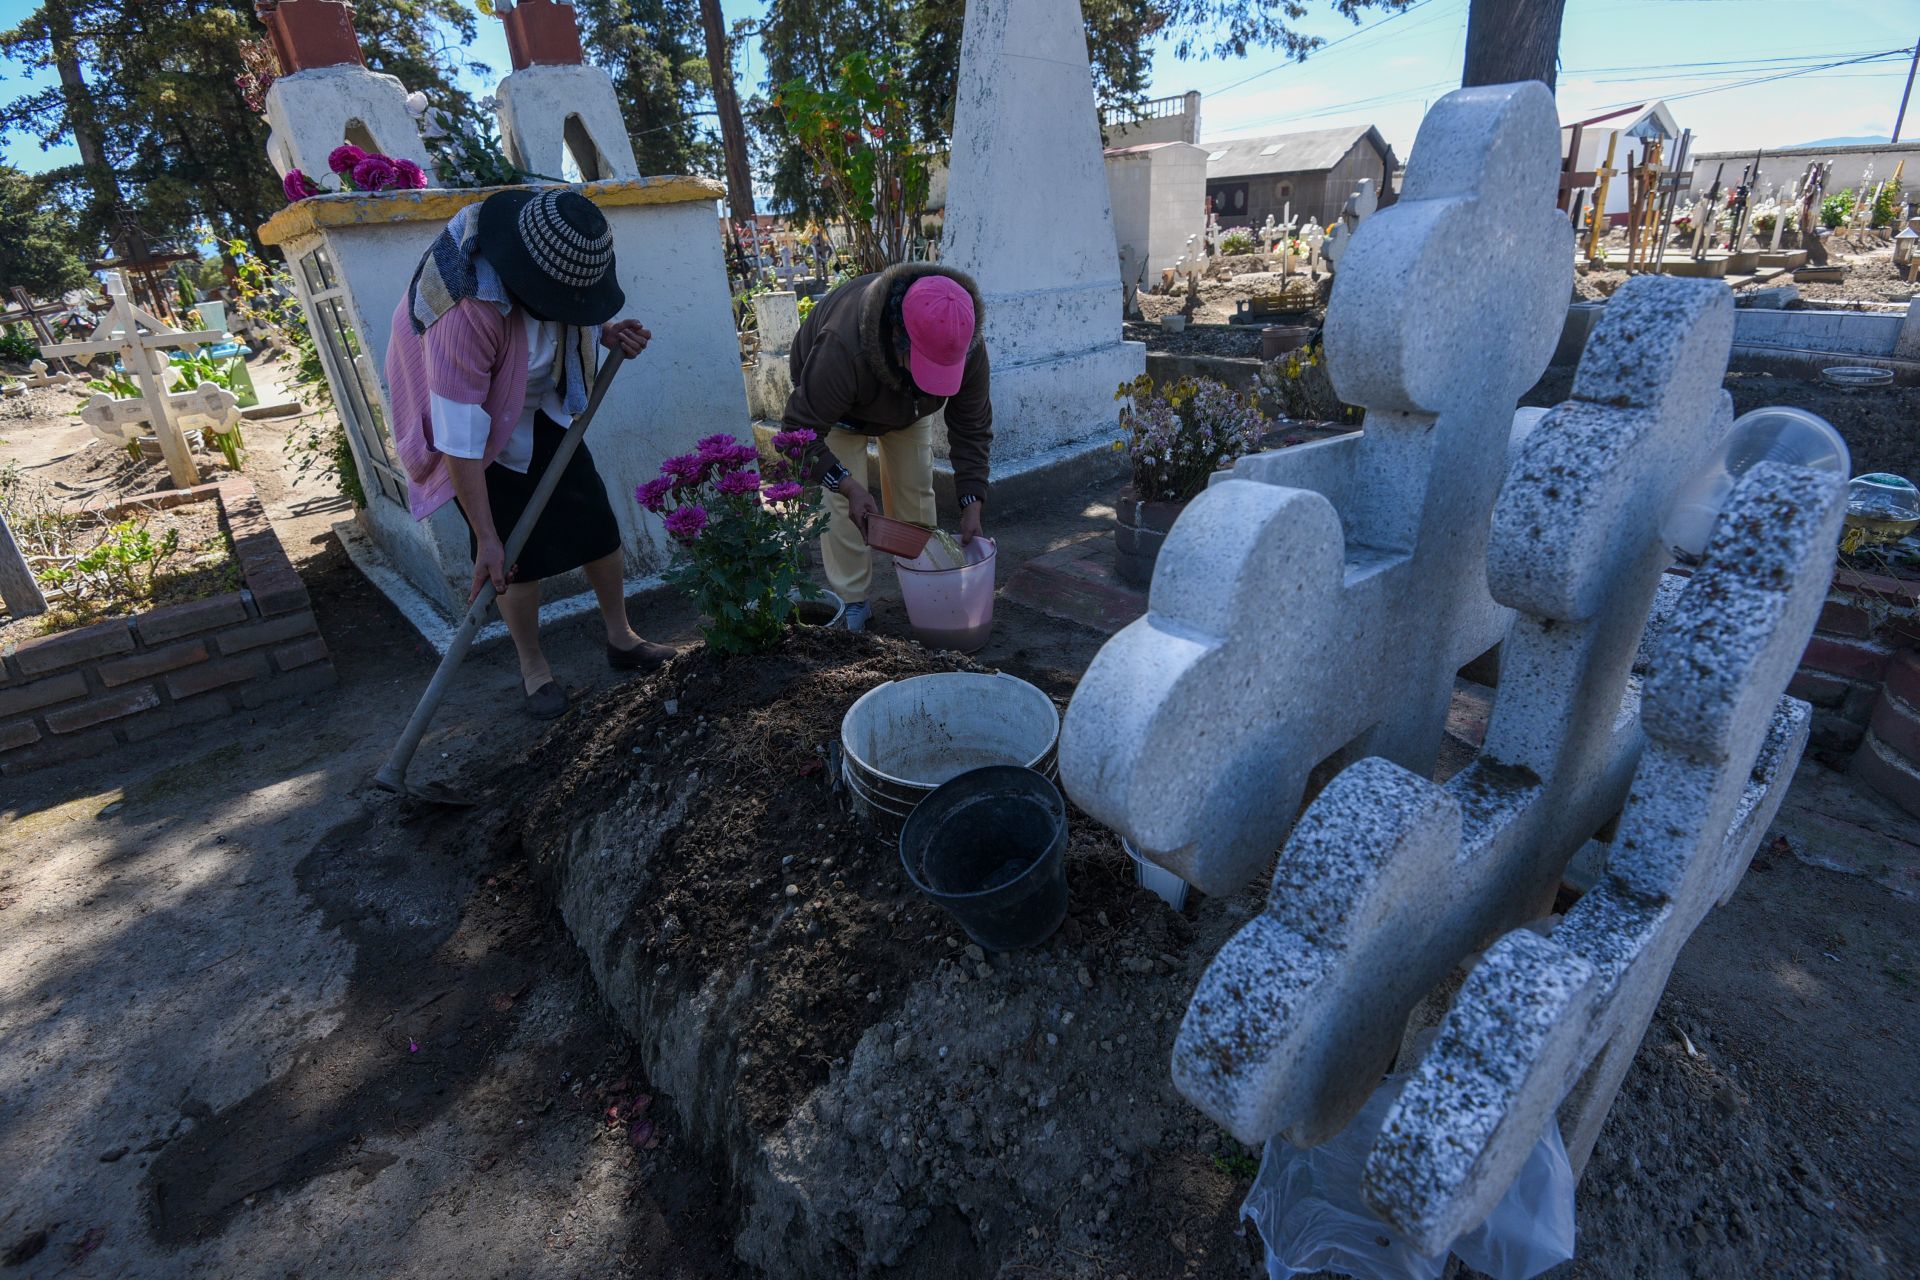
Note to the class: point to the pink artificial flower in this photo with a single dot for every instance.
(653, 494)
(298, 186)
(784, 492)
(739, 484)
(412, 176)
(342, 158)
(685, 523)
(375, 173)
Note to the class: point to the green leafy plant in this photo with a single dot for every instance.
(1235, 243)
(201, 367)
(17, 344)
(744, 534)
(1836, 209)
(112, 382)
(1886, 207)
(121, 565)
(858, 134)
(1179, 434)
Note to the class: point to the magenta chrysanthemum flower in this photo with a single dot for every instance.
(735, 483)
(653, 494)
(686, 469)
(375, 173)
(793, 443)
(784, 492)
(342, 158)
(412, 176)
(715, 446)
(685, 523)
(298, 186)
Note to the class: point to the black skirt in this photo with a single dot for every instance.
(577, 525)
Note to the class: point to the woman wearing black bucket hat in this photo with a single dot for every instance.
(492, 355)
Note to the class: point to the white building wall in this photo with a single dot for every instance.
(1159, 198)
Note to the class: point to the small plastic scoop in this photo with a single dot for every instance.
(896, 537)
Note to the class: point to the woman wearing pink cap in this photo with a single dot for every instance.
(876, 359)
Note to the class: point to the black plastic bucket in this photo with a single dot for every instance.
(991, 847)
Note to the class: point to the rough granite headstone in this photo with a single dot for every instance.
(1391, 881)
(1320, 598)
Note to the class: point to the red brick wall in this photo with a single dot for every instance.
(126, 680)
(1861, 672)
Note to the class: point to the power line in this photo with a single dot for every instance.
(1352, 35)
(1783, 75)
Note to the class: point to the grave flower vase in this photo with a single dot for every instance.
(1140, 527)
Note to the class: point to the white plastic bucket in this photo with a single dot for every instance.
(1171, 889)
(950, 608)
(903, 739)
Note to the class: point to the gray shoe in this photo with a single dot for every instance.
(858, 614)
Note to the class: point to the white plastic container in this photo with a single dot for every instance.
(949, 607)
(1171, 889)
(1772, 434)
(903, 739)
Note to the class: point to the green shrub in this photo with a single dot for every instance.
(1836, 209)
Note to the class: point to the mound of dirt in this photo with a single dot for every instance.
(766, 854)
(872, 1081)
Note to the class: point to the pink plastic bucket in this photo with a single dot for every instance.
(949, 608)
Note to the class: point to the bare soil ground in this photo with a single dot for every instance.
(257, 1021)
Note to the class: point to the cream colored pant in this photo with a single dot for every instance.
(906, 493)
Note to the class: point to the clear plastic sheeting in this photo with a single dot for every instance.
(1307, 1205)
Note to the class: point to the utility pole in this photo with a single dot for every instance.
(726, 102)
(1901, 118)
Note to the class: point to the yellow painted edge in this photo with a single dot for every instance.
(437, 204)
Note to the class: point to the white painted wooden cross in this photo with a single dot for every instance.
(37, 376)
(141, 340)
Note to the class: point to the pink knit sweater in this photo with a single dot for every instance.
(471, 355)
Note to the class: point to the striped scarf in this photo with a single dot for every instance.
(453, 269)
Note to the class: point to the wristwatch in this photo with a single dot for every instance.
(833, 476)
(968, 500)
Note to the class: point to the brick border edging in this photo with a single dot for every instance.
(1861, 672)
(81, 693)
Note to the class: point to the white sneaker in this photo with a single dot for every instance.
(857, 615)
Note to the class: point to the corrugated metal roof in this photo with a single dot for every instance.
(1287, 152)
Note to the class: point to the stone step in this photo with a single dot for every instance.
(1078, 583)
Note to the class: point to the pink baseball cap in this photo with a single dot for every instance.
(938, 313)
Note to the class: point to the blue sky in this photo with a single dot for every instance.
(1386, 70)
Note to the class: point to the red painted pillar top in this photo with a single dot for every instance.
(543, 33)
(310, 33)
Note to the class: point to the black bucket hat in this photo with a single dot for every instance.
(554, 253)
